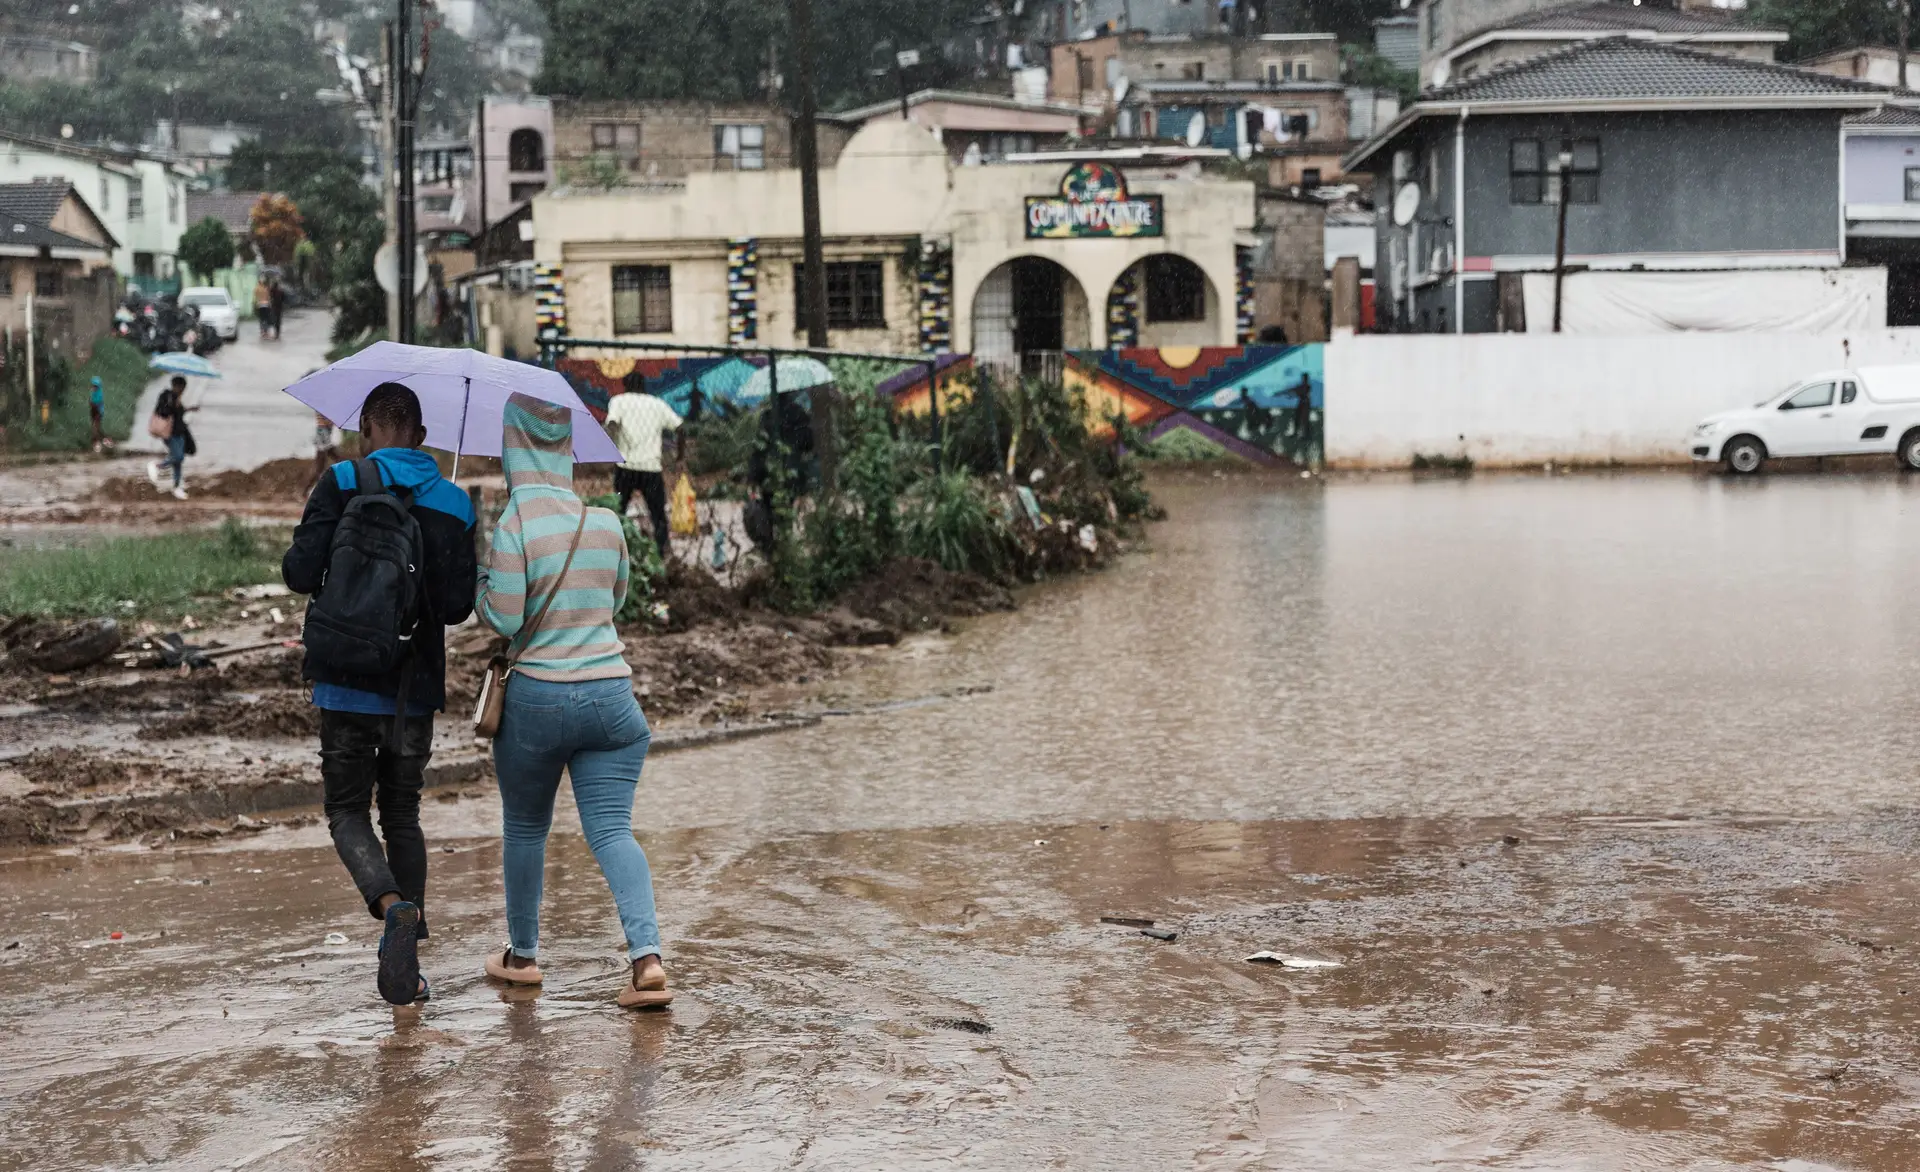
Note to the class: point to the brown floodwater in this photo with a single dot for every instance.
(1596, 788)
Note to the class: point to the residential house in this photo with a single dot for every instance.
(25, 58)
(56, 266)
(1879, 64)
(202, 147)
(1057, 21)
(1883, 203)
(1397, 38)
(443, 201)
(1096, 73)
(1462, 39)
(1013, 263)
(597, 143)
(976, 128)
(140, 198)
(513, 141)
(1672, 158)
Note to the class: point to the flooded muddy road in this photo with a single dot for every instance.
(1597, 790)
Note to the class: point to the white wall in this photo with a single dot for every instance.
(1521, 399)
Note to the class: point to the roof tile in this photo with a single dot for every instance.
(1626, 69)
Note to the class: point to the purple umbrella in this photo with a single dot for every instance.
(462, 393)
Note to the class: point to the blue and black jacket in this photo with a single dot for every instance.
(446, 529)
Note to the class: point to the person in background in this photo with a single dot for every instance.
(1303, 417)
(637, 421)
(556, 572)
(172, 407)
(263, 305)
(360, 761)
(277, 298)
(97, 415)
(326, 447)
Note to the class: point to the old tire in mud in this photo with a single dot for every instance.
(1908, 453)
(1744, 455)
(80, 645)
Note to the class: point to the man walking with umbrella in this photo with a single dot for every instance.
(382, 575)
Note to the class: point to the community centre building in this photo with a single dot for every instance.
(1022, 259)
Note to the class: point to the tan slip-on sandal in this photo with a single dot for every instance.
(499, 970)
(647, 987)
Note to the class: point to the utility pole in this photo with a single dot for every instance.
(1560, 238)
(812, 251)
(1906, 36)
(901, 59)
(403, 166)
(390, 185)
(480, 165)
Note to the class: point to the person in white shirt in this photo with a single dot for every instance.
(637, 421)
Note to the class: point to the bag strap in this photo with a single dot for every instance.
(532, 627)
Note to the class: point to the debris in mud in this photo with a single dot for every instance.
(913, 594)
(1160, 934)
(336, 939)
(1510, 839)
(967, 1024)
(1289, 961)
(76, 646)
(1127, 921)
(286, 480)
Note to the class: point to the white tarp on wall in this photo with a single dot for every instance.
(1518, 399)
(1790, 301)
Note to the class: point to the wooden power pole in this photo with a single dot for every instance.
(812, 251)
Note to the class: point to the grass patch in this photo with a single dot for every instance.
(123, 374)
(157, 574)
(1423, 462)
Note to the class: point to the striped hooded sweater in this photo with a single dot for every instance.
(576, 640)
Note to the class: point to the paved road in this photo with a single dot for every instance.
(244, 420)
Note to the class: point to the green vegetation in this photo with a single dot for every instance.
(205, 247)
(158, 575)
(1426, 463)
(645, 571)
(63, 389)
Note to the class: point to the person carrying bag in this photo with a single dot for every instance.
(564, 695)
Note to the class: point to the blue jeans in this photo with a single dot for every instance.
(176, 455)
(595, 731)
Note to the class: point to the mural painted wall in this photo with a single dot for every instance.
(1198, 402)
(1193, 402)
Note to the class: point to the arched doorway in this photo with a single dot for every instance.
(1163, 300)
(526, 151)
(1026, 313)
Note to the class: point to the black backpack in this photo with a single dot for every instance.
(362, 619)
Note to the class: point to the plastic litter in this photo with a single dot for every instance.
(1159, 933)
(719, 559)
(1289, 961)
(1089, 539)
(276, 616)
(116, 935)
(336, 939)
(255, 593)
(1127, 921)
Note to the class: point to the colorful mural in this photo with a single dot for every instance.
(549, 301)
(720, 381)
(743, 283)
(935, 280)
(1194, 402)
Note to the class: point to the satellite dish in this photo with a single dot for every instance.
(1405, 204)
(386, 269)
(1196, 129)
(1442, 70)
(1120, 89)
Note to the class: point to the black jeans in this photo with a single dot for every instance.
(653, 490)
(358, 768)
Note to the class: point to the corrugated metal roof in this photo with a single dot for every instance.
(1601, 16)
(1624, 69)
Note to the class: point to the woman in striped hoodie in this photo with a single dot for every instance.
(569, 702)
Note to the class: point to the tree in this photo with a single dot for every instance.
(276, 227)
(1815, 26)
(206, 246)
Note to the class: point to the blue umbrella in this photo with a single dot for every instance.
(189, 364)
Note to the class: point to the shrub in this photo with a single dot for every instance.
(645, 571)
(950, 520)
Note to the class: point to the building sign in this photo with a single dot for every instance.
(1093, 203)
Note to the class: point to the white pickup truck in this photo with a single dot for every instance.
(1875, 409)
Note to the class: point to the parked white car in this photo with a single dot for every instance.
(217, 310)
(1875, 409)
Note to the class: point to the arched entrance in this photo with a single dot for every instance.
(1163, 300)
(1026, 312)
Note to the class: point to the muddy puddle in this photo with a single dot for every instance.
(1594, 789)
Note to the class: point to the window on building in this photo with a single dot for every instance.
(136, 201)
(1310, 177)
(436, 205)
(1194, 71)
(143, 264)
(856, 295)
(1913, 184)
(106, 195)
(522, 192)
(1086, 73)
(173, 203)
(619, 138)
(1176, 289)
(526, 151)
(642, 299)
(1433, 24)
(1533, 171)
(46, 283)
(745, 147)
(6, 280)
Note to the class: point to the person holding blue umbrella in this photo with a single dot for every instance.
(169, 425)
